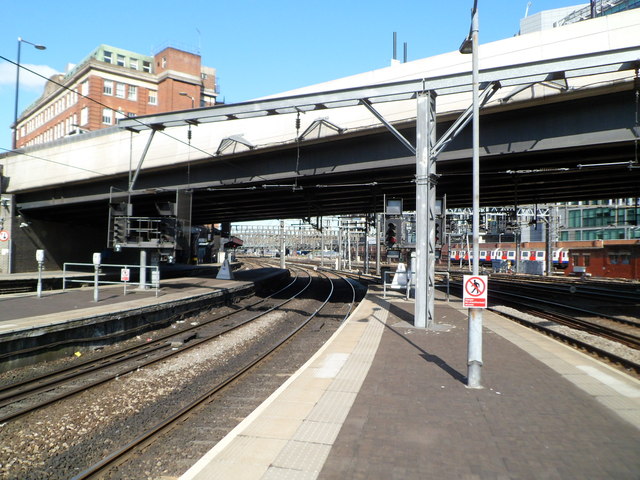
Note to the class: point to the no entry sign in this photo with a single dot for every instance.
(474, 293)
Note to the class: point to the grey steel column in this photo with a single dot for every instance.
(474, 357)
(378, 244)
(282, 246)
(322, 243)
(349, 245)
(425, 209)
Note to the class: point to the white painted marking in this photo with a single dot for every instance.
(332, 365)
(8, 325)
(622, 388)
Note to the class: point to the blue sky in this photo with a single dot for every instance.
(258, 47)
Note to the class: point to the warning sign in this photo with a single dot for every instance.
(125, 274)
(474, 294)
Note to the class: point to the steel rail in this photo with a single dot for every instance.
(119, 456)
(169, 353)
(88, 365)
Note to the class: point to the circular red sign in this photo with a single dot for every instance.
(475, 286)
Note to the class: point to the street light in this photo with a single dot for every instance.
(193, 100)
(15, 111)
(474, 356)
(193, 103)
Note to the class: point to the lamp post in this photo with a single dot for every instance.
(193, 100)
(193, 105)
(474, 355)
(15, 111)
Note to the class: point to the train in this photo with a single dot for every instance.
(598, 258)
(560, 256)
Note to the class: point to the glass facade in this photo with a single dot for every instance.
(601, 220)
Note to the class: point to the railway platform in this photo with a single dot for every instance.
(384, 400)
(28, 322)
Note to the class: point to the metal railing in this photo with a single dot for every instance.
(110, 271)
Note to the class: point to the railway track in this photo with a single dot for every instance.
(151, 435)
(566, 309)
(25, 396)
(111, 422)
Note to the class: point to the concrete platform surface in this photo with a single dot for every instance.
(383, 400)
(24, 311)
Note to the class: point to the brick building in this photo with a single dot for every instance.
(117, 83)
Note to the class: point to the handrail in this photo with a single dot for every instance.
(155, 275)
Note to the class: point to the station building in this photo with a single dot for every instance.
(112, 83)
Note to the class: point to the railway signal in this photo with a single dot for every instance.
(393, 234)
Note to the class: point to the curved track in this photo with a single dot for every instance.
(22, 397)
(122, 454)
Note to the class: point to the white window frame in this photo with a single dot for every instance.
(107, 116)
(84, 116)
(107, 88)
(120, 90)
(120, 60)
(133, 93)
(153, 97)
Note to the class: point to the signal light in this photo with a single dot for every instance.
(393, 234)
(118, 231)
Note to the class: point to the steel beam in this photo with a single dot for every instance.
(391, 128)
(509, 75)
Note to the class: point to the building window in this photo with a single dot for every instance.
(146, 66)
(107, 56)
(164, 62)
(108, 87)
(153, 97)
(133, 92)
(120, 90)
(120, 60)
(587, 260)
(84, 116)
(133, 63)
(107, 116)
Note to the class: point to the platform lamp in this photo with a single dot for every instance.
(474, 356)
(15, 111)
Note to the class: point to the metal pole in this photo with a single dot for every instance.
(282, 245)
(378, 244)
(366, 245)
(425, 210)
(143, 270)
(340, 249)
(96, 294)
(39, 287)
(322, 243)
(15, 110)
(349, 245)
(474, 357)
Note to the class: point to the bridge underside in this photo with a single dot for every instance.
(575, 149)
